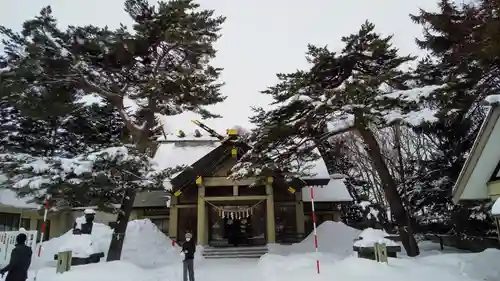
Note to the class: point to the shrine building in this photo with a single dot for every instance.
(219, 211)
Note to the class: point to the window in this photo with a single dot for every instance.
(39, 229)
(25, 223)
(9, 222)
(162, 224)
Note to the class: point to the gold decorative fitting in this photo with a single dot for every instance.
(234, 152)
(291, 190)
(199, 180)
(270, 180)
(177, 193)
(232, 132)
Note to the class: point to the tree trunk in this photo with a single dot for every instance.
(116, 245)
(390, 188)
(144, 145)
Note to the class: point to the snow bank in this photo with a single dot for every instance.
(81, 246)
(303, 267)
(370, 236)
(333, 237)
(145, 245)
(478, 266)
(109, 271)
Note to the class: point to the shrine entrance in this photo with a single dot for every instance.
(234, 225)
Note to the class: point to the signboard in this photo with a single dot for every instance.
(8, 242)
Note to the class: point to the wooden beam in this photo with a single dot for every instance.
(223, 181)
(235, 198)
(181, 206)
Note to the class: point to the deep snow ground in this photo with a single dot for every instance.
(150, 257)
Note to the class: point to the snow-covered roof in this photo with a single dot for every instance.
(495, 209)
(314, 170)
(482, 160)
(9, 198)
(171, 155)
(155, 198)
(334, 191)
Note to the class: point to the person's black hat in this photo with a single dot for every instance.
(21, 238)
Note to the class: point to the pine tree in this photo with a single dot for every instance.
(163, 65)
(360, 89)
(462, 39)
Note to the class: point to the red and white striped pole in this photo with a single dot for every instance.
(311, 193)
(42, 230)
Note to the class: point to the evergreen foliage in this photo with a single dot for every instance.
(161, 65)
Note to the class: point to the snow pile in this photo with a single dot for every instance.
(145, 245)
(303, 267)
(81, 246)
(493, 99)
(370, 236)
(333, 237)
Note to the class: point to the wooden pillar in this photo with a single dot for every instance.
(207, 225)
(173, 219)
(235, 190)
(270, 219)
(202, 211)
(299, 214)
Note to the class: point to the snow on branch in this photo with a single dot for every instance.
(121, 165)
(409, 106)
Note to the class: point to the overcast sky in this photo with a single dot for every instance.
(260, 37)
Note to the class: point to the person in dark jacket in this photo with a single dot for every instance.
(20, 261)
(188, 250)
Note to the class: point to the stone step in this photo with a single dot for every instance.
(234, 252)
(233, 257)
(255, 254)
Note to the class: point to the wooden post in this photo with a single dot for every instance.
(201, 212)
(380, 252)
(63, 261)
(174, 218)
(299, 214)
(270, 219)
